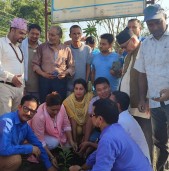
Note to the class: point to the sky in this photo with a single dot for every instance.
(163, 3)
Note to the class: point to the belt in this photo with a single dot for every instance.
(11, 84)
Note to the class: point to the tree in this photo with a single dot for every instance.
(112, 26)
(5, 16)
(31, 10)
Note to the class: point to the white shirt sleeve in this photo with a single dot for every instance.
(4, 75)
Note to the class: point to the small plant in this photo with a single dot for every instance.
(90, 30)
(65, 155)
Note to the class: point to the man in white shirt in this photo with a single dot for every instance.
(127, 121)
(129, 83)
(153, 66)
(12, 66)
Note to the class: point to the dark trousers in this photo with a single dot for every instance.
(145, 125)
(47, 86)
(160, 122)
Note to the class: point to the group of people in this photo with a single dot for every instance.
(68, 115)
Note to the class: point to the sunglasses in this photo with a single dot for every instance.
(26, 110)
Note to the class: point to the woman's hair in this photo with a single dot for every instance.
(81, 81)
(53, 99)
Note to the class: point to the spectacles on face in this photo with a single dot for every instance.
(26, 110)
(92, 115)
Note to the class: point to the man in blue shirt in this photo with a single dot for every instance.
(102, 62)
(117, 151)
(14, 130)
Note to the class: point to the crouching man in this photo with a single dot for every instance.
(116, 150)
(14, 130)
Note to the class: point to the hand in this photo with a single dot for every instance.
(147, 107)
(54, 162)
(74, 168)
(63, 75)
(83, 147)
(164, 96)
(16, 80)
(74, 145)
(52, 169)
(117, 74)
(48, 75)
(36, 151)
(142, 106)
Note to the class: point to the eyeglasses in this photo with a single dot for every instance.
(92, 115)
(26, 110)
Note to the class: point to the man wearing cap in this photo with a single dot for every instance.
(12, 66)
(153, 66)
(129, 83)
(135, 25)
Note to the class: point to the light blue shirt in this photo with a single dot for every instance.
(13, 133)
(95, 51)
(102, 65)
(82, 57)
(117, 152)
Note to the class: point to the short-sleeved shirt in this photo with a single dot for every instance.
(102, 65)
(153, 59)
(82, 56)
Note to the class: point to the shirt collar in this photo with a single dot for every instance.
(59, 46)
(104, 130)
(9, 41)
(76, 47)
(17, 119)
(125, 111)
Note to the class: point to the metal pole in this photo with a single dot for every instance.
(46, 18)
(150, 1)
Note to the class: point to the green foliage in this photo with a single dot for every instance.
(66, 155)
(90, 30)
(5, 16)
(31, 10)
